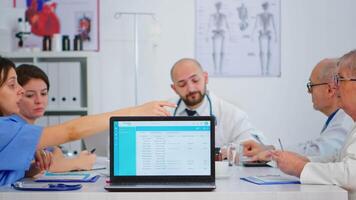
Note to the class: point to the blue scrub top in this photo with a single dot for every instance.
(18, 142)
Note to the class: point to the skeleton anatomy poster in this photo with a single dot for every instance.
(238, 37)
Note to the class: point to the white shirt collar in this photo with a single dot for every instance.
(202, 110)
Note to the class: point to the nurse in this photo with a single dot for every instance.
(33, 105)
(19, 140)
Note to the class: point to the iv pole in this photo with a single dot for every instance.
(117, 15)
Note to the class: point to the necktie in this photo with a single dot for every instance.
(190, 112)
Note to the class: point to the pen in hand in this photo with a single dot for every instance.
(258, 139)
(263, 145)
(92, 151)
(280, 144)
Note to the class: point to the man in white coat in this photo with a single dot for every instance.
(190, 84)
(323, 91)
(339, 169)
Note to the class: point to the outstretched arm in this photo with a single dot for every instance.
(89, 125)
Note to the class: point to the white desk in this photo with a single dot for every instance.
(226, 188)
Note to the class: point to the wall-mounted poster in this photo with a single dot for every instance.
(238, 37)
(64, 17)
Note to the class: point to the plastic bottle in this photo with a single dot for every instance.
(78, 43)
(65, 43)
(47, 43)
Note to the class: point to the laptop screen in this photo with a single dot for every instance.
(161, 146)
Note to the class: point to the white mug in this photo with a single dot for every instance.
(221, 169)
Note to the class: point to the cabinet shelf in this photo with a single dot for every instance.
(49, 54)
(68, 93)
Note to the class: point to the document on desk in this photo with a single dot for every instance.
(271, 179)
(67, 177)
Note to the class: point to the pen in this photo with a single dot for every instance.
(280, 144)
(93, 150)
(258, 139)
(84, 145)
(265, 147)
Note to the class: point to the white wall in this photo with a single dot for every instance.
(281, 107)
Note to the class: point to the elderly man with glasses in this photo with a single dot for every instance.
(339, 169)
(322, 88)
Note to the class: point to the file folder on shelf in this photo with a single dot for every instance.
(69, 87)
(53, 94)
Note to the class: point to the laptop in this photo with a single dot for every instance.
(161, 154)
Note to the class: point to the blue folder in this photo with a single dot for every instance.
(47, 187)
(68, 177)
(270, 180)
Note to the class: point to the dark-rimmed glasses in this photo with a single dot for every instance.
(338, 79)
(310, 85)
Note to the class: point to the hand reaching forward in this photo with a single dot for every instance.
(154, 108)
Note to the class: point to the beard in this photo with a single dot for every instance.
(193, 98)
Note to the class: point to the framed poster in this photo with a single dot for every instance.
(238, 37)
(64, 17)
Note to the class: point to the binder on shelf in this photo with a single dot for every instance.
(44, 67)
(53, 95)
(53, 120)
(74, 79)
(64, 84)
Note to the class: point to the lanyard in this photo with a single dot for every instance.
(328, 120)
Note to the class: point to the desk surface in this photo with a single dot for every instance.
(226, 188)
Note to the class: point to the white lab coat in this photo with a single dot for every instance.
(330, 140)
(232, 125)
(338, 170)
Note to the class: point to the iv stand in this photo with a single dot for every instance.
(117, 15)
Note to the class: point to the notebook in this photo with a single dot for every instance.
(161, 154)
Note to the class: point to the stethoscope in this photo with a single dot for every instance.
(210, 108)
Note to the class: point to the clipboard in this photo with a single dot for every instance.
(271, 180)
(45, 187)
(68, 177)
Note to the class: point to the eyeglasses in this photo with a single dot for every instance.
(310, 85)
(338, 79)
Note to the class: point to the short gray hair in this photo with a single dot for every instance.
(349, 60)
(329, 70)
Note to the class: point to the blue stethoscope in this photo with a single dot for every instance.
(210, 108)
